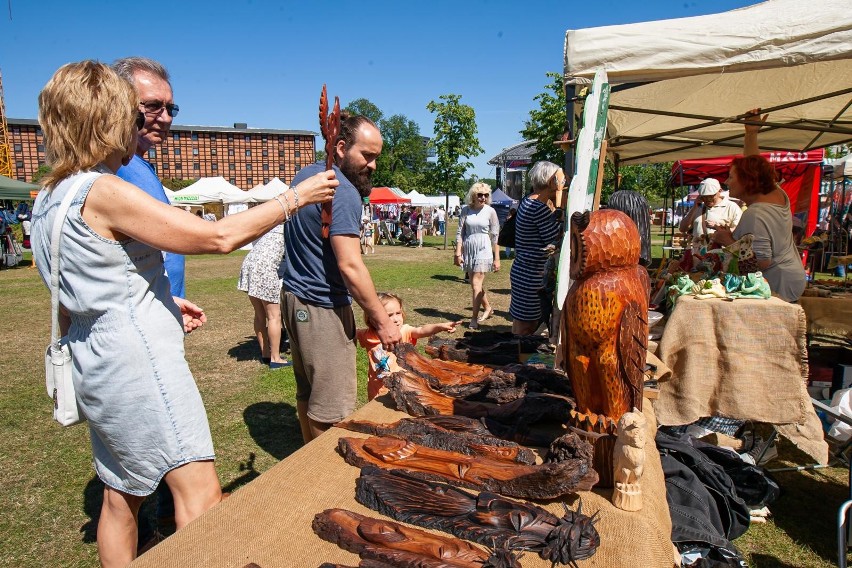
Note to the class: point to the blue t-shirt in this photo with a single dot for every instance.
(141, 174)
(309, 269)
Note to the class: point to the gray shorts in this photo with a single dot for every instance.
(322, 346)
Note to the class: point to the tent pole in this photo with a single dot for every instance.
(616, 164)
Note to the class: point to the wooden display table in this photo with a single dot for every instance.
(268, 521)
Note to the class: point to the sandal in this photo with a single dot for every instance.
(276, 365)
(474, 324)
(487, 314)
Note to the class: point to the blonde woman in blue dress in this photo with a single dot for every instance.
(477, 251)
(146, 419)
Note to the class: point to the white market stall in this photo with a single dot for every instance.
(210, 190)
(681, 87)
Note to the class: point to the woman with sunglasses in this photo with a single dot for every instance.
(477, 251)
(146, 420)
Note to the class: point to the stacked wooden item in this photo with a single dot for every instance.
(483, 441)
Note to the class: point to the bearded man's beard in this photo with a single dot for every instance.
(361, 179)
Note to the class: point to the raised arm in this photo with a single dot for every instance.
(117, 210)
(750, 145)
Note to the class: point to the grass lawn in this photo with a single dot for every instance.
(51, 498)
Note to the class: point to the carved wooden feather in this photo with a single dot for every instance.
(330, 129)
(547, 481)
(485, 518)
(426, 433)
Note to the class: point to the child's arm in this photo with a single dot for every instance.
(431, 329)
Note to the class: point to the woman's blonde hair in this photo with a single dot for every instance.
(384, 298)
(86, 112)
(478, 187)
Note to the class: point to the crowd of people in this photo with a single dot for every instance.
(123, 294)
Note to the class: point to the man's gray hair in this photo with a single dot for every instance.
(541, 174)
(127, 66)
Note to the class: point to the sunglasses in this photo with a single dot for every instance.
(140, 120)
(483, 194)
(154, 108)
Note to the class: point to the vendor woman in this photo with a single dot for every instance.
(754, 180)
(712, 209)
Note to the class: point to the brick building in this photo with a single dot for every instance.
(244, 156)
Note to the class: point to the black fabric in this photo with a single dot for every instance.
(702, 498)
(506, 238)
(754, 484)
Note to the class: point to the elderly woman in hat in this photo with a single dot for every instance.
(712, 210)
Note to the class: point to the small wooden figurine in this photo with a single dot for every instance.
(629, 461)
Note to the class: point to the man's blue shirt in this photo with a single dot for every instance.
(141, 174)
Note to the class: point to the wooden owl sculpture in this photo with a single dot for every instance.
(605, 319)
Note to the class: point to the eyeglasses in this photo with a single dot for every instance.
(483, 195)
(153, 108)
(140, 120)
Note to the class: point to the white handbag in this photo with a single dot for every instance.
(57, 357)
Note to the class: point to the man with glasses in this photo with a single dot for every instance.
(711, 210)
(151, 81)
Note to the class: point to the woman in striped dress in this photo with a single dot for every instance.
(535, 228)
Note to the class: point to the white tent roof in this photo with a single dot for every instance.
(208, 190)
(435, 201)
(682, 86)
(261, 193)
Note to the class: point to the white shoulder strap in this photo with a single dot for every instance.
(55, 236)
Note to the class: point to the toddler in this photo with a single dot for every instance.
(380, 360)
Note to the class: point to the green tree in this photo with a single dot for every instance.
(176, 184)
(365, 108)
(42, 171)
(546, 124)
(403, 156)
(455, 142)
(651, 180)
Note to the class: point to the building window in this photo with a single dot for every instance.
(195, 136)
(248, 152)
(263, 138)
(265, 166)
(214, 166)
(297, 154)
(178, 166)
(195, 151)
(248, 138)
(195, 166)
(248, 166)
(166, 166)
(38, 131)
(212, 151)
(212, 137)
(282, 167)
(230, 151)
(232, 166)
(280, 153)
(250, 181)
(233, 181)
(297, 168)
(230, 137)
(265, 153)
(177, 151)
(21, 178)
(265, 181)
(296, 139)
(19, 164)
(18, 148)
(281, 138)
(16, 130)
(176, 136)
(154, 167)
(40, 147)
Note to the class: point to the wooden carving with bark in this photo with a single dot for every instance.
(485, 518)
(486, 347)
(605, 319)
(330, 129)
(493, 473)
(426, 433)
(398, 545)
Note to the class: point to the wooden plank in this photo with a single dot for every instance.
(596, 204)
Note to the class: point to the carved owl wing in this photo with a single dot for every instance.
(632, 351)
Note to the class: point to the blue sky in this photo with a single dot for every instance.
(264, 62)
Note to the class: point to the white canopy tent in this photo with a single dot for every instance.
(681, 87)
(210, 190)
(261, 193)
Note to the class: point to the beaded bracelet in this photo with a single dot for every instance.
(286, 212)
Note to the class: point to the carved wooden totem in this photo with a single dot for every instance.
(330, 128)
(605, 319)
(629, 462)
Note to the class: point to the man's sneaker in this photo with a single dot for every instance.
(754, 457)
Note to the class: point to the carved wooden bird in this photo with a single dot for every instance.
(605, 318)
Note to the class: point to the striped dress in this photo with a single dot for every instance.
(535, 228)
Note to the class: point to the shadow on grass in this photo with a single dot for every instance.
(274, 426)
(501, 291)
(93, 497)
(447, 277)
(806, 520)
(766, 561)
(246, 350)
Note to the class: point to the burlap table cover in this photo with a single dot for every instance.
(268, 521)
(829, 316)
(745, 359)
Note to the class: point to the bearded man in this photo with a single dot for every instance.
(322, 276)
